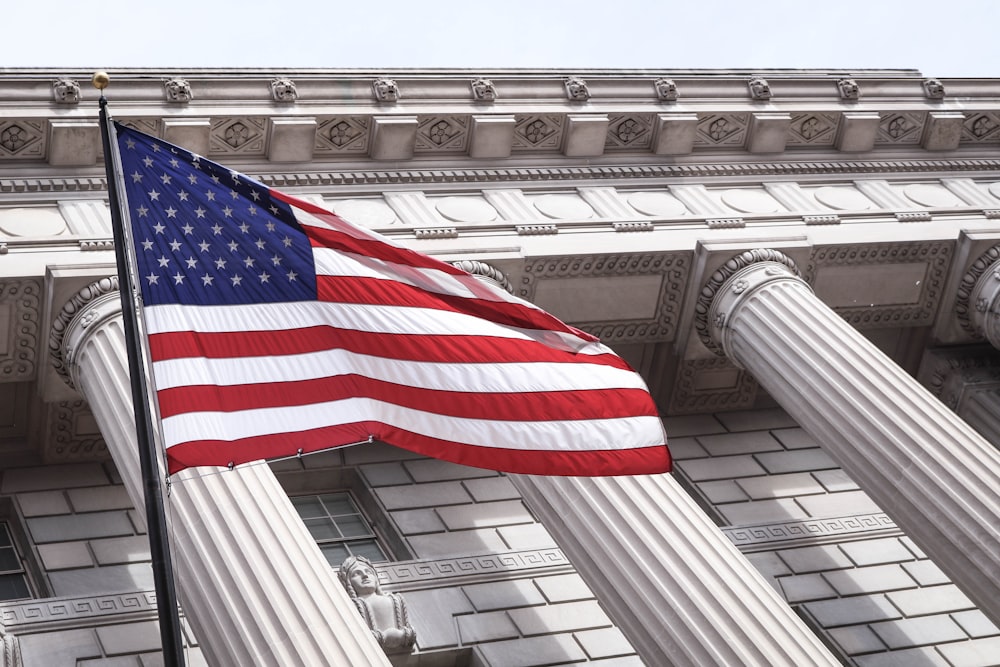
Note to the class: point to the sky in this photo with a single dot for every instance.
(957, 38)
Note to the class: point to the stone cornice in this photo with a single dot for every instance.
(335, 117)
(381, 177)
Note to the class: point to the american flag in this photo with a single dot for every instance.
(275, 327)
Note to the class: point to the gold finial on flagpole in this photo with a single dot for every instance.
(100, 80)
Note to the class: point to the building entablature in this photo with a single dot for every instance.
(464, 118)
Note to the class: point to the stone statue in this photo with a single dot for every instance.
(385, 613)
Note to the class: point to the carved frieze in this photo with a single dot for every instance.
(22, 139)
(809, 531)
(671, 269)
(19, 317)
(238, 136)
(981, 127)
(442, 134)
(487, 567)
(901, 128)
(927, 263)
(722, 130)
(342, 135)
(629, 132)
(813, 129)
(72, 434)
(538, 131)
(59, 613)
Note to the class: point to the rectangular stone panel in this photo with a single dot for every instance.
(845, 286)
(600, 299)
(69, 527)
(565, 617)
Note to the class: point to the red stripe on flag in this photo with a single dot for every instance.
(540, 406)
(637, 461)
(363, 290)
(456, 349)
(360, 243)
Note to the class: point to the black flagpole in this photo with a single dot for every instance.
(163, 580)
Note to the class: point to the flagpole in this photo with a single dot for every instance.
(163, 580)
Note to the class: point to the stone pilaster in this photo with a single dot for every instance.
(250, 578)
(928, 469)
(668, 577)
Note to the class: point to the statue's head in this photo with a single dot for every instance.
(359, 577)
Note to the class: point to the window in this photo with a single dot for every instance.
(13, 579)
(339, 528)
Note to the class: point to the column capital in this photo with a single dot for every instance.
(93, 304)
(737, 278)
(977, 303)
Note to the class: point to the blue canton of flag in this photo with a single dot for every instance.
(206, 235)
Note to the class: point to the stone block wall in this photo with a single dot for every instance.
(95, 606)
(839, 560)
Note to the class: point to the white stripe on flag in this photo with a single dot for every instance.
(576, 435)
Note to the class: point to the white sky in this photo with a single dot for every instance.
(940, 38)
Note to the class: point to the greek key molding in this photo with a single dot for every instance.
(808, 530)
(936, 255)
(410, 574)
(17, 363)
(673, 267)
(66, 613)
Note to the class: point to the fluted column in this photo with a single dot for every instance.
(981, 410)
(251, 580)
(928, 469)
(671, 581)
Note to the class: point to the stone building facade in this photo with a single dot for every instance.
(804, 265)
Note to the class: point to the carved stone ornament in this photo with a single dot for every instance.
(485, 272)
(760, 89)
(849, 89)
(666, 90)
(576, 89)
(10, 650)
(385, 90)
(934, 89)
(178, 90)
(101, 291)
(283, 90)
(483, 90)
(713, 287)
(66, 91)
(384, 613)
